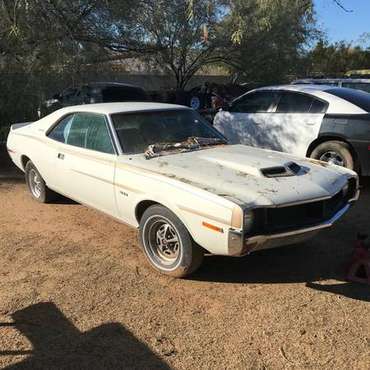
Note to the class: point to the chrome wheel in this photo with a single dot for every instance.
(163, 241)
(333, 158)
(35, 183)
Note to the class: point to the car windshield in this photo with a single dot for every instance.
(159, 132)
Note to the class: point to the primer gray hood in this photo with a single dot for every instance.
(234, 172)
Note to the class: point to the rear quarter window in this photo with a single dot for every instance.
(357, 85)
(356, 97)
(293, 102)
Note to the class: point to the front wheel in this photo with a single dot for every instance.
(335, 152)
(167, 243)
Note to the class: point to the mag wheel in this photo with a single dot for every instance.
(335, 152)
(36, 184)
(167, 244)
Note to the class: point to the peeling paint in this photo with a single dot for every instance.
(234, 172)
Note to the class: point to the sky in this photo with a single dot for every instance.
(340, 25)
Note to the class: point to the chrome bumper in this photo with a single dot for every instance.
(240, 245)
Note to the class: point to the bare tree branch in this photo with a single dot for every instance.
(342, 6)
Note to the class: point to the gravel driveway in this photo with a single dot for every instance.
(76, 292)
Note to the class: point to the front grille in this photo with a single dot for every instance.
(275, 220)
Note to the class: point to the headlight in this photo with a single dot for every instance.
(248, 220)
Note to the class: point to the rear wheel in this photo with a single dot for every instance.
(167, 243)
(36, 184)
(334, 152)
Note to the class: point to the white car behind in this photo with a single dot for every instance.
(322, 122)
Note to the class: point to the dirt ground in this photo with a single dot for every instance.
(77, 292)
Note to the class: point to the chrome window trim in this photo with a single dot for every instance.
(114, 135)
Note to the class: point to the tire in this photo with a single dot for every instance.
(36, 184)
(335, 152)
(177, 258)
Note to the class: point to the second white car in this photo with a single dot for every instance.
(322, 122)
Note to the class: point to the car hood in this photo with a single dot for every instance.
(236, 172)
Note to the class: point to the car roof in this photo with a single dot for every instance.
(308, 88)
(112, 84)
(330, 80)
(112, 108)
(337, 105)
(106, 108)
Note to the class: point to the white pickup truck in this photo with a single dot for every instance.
(163, 169)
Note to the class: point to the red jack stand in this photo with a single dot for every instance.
(359, 269)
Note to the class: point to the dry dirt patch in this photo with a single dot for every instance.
(76, 292)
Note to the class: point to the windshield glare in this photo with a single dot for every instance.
(136, 131)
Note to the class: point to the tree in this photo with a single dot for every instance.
(181, 36)
(268, 37)
(335, 59)
(41, 33)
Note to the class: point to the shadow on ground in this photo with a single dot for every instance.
(58, 344)
(349, 290)
(325, 257)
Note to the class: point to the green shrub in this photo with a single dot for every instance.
(4, 131)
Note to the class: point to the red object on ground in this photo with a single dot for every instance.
(360, 260)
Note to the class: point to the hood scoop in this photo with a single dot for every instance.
(243, 167)
(289, 169)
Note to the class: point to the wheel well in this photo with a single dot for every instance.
(142, 207)
(325, 139)
(24, 161)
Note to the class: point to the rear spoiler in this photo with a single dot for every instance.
(19, 125)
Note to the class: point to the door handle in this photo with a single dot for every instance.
(60, 156)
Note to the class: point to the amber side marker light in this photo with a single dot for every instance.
(212, 227)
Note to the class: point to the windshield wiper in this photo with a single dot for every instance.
(206, 141)
(191, 143)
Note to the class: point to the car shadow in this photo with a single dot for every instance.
(351, 290)
(324, 257)
(58, 344)
(62, 200)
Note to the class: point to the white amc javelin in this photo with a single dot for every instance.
(163, 169)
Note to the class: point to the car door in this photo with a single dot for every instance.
(86, 161)
(245, 121)
(295, 124)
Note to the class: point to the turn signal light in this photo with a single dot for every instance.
(213, 227)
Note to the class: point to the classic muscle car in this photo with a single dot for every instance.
(163, 169)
